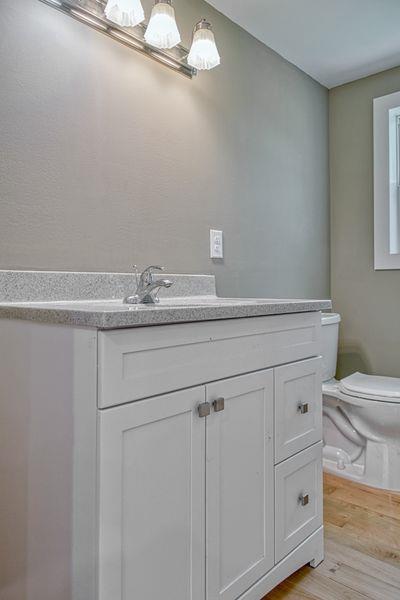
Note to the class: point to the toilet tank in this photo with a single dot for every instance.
(330, 335)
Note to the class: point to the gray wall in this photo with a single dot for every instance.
(368, 300)
(108, 159)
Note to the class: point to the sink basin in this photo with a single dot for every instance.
(209, 301)
(201, 301)
(193, 301)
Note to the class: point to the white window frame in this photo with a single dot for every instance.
(387, 181)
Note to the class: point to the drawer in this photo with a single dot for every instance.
(298, 407)
(146, 361)
(298, 499)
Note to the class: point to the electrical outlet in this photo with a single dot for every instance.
(216, 244)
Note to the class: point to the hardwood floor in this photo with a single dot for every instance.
(362, 548)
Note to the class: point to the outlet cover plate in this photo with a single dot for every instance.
(216, 244)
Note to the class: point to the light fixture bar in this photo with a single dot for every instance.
(91, 12)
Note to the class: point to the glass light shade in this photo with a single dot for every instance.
(162, 31)
(203, 54)
(126, 13)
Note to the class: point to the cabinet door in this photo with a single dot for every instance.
(151, 489)
(298, 509)
(298, 407)
(240, 484)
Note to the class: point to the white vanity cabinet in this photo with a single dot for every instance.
(204, 491)
(180, 461)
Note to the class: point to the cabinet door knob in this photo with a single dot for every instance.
(303, 408)
(219, 404)
(204, 409)
(304, 499)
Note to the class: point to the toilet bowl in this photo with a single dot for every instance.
(361, 420)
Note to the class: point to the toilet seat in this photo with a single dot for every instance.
(371, 387)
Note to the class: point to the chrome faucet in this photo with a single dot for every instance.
(147, 287)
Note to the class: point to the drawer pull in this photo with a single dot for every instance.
(304, 499)
(219, 404)
(204, 409)
(303, 408)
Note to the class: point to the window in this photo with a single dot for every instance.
(387, 181)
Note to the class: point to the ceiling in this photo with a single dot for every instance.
(334, 41)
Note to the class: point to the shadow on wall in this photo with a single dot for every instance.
(351, 358)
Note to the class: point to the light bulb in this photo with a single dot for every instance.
(126, 13)
(203, 54)
(162, 31)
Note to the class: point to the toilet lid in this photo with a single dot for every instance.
(385, 389)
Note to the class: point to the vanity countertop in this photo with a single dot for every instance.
(112, 314)
(76, 299)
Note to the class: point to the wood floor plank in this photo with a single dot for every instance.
(371, 547)
(341, 482)
(386, 506)
(315, 585)
(360, 521)
(362, 548)
(363, 563)
(289, 591)
(362, 582)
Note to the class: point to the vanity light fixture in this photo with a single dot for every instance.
(83, 16)
(126, 39)
(203, 54)
(165, 60)
(126, 13)
(123, 20)
(162, 30)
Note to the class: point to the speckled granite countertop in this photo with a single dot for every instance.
(82, 299)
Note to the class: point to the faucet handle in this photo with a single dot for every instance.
(153, 268)
(147, 273)
(135, 270)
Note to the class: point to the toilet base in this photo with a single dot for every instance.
(361, 439)
(371, 477)
(336, 460)
(353, 472)
(378, 465)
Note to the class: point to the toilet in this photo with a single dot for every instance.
(361, 415)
